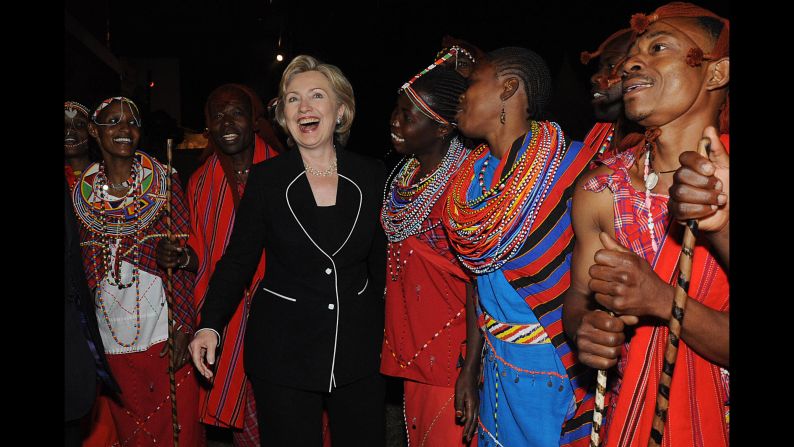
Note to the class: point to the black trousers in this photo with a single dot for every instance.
(73, 433)
(289, 416)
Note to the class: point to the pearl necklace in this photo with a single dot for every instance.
(331, 170)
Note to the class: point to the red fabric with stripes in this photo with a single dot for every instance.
(212, 213)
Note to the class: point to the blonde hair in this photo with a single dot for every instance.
(339, 83)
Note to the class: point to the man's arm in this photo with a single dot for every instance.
(597, 335)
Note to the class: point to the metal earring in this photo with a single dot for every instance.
(502, 115)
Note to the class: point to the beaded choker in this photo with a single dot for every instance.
(488, 226)
(406, 203)
(96, 208)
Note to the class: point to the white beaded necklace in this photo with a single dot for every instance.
(406, 206)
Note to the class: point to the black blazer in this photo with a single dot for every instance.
(80, 376)
(317, 317)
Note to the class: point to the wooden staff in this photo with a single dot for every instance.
(679, 306)
(598, 411)
(169, 299)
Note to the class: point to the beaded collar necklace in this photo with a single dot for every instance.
(488, 229)
(407, 203)
(119, 222)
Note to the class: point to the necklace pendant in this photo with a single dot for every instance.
(651, 180)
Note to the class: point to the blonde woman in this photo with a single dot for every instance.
(316, 322)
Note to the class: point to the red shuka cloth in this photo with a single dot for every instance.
(429, 293)
(698, 412)
(212, 210)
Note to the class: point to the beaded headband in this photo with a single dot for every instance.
(75, 106)
(416, 99)
(133, 108)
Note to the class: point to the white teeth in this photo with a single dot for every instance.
(598, 95)
(397, 139)
(636, 86)
(123, 140)
(230, 136)
(305, 121)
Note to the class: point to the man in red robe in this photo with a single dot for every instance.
(675, 85)
(213, 194)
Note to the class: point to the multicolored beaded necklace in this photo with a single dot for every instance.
(406, 204)
(119, 221)
(488, 229)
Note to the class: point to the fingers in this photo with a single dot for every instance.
(685, 211)
(611, 244)
(459, 413)
(597, 362)
(696, 171)
(605, 273)
(199, 348)
(717, 153)
(169, 253)
(629, 320)
(472, 414)
(599, 339)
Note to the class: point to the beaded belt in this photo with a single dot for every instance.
(522, 334)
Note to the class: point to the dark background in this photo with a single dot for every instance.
(378, 44)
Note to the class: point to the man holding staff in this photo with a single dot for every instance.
(675, 85)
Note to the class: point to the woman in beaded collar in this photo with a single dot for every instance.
(507, 219)
(120, 202)
(425, 324)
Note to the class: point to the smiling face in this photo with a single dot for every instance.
(311, 110)
(230, 121)
(607, 99)
(412, 132)
(658, 84)
(117, 130)
(480, 105)
(75, 133)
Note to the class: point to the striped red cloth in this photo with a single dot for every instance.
(699, 407)
(212, 212)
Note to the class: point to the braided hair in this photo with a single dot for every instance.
(441, 89)
(533, 72)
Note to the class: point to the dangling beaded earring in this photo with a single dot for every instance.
(502, 115)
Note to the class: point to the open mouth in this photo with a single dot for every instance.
(397, 139)
(71, 143)
(309, 124)
(635, 87)
(122, 140)
(230, 137)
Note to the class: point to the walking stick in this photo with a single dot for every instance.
(169, 299)
(598, 411)
(679, 305)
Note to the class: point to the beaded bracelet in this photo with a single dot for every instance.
(187, 259)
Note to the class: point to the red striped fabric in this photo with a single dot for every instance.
(698, 412)
(212, 213)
